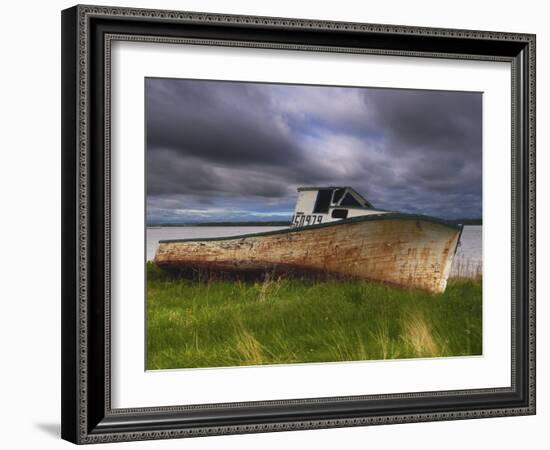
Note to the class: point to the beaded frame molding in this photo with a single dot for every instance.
(87, 35)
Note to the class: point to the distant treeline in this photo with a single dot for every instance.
(281, 223)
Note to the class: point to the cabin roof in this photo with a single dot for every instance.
(316, 188)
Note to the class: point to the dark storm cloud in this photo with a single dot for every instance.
(229, 123)
(432, 119)
(227, 150)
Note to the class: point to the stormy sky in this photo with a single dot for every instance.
(237, 151)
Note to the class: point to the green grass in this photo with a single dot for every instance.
(234, 323)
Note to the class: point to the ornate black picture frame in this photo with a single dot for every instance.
(87, 34)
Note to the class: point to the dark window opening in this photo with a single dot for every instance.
(349, 200)
(337, 195)
(323, 201)
(339, 214)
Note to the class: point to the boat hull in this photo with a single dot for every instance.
(412, 252)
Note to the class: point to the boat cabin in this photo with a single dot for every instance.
(317, 205)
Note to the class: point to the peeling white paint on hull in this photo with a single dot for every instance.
(409, 251)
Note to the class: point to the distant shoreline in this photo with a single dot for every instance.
(223, 224)
(466, 221)
(275, 223)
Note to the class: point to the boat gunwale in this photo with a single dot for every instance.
(351, 220)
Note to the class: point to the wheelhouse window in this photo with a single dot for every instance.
(322, 203)
(339, 214)
(337, 195)
(350, 200)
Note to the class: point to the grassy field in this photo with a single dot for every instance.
(233, 323)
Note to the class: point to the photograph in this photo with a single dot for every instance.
(296, 223)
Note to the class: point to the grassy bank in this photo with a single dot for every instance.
(232, 323)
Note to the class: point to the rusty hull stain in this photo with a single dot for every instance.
(408, 253)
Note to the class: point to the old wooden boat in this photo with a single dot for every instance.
(335, 232)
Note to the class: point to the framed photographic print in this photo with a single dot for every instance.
(279, 224)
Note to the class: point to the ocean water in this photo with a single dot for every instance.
(468, 258)
(467, 261)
